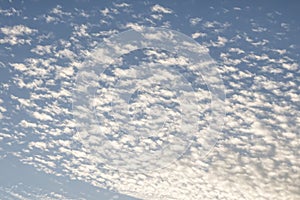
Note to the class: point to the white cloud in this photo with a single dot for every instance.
(237, 8)
(17, 30)
(50, 19)
(121, 5)
(42, 49)
(10, 12)
(42, 116)
(134, 26)
(198, 34)
(27, 124)
(195, 21)
(220, 43)
(157, 16)
(58, 11)
(15, 34)
(285, 26)
(22, 191)
(237, 50)
(39, 145)
(256, 158)
(161, 9)
(81, 30)
(19, 66)
(105, 12)
(291, 66)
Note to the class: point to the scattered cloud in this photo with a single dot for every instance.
(195, 21)
(17, 30)
(10, 12)
(256, 156)
(198, 34)
(14, 34)
(160, 9)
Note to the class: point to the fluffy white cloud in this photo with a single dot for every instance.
(17, 30)
(161, 9)
(198, 34)
(14, 34)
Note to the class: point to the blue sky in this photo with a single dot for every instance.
(45, 153)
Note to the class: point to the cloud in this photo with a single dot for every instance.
(256, 156)
(42, 116)
(237, 8)
(19, 66)
(42, 49)
(17, 30)
(195, 21)
(10, 12)
(121, 5)
(134, 26)
(161, 9)
(58, 11)
(23, 192)
(198, 34)
(220, 43)
(14, 34)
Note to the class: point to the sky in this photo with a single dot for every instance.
(149, 99)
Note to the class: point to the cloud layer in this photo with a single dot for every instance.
(257, 156)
